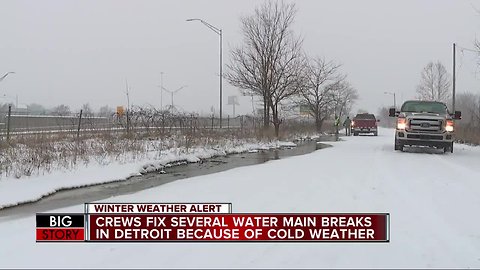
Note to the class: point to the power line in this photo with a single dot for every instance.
(467, 49)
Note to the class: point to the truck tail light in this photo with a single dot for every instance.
(449, 126)
(401, 123)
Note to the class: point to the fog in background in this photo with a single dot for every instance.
(76, 52)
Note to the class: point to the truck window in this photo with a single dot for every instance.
(365, 116)
(428, 107)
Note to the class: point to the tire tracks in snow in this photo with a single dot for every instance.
(417, 190)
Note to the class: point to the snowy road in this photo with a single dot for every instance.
(433, 199)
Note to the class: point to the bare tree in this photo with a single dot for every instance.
(269, 64)
(343, 97)
(316, 94)
(435, 83)
(106, 111)
(61, 110)
(289, 83)
(469, 104)
(87, 110)
(468, 130)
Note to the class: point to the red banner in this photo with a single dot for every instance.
(239, 227)
(60, 234)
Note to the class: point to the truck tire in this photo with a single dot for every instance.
(375, 133)
(448, 148)
(355, 133)
(398, 146)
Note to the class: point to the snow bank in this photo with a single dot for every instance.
(15, 191)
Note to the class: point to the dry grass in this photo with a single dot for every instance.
(28, 155)
(470, 135)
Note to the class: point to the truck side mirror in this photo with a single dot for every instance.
(457, 115)
(378, 120)
(392, 112)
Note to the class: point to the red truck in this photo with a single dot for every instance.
(364, 123)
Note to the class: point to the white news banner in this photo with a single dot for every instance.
(157, 208)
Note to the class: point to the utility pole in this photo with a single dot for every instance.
(453, 87)
(128, 107)
(8, 121)
(161, 92)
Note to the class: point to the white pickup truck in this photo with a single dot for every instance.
(425, 123)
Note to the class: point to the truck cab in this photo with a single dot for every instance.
(424, 123)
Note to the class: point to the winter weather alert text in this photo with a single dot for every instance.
(206, 222)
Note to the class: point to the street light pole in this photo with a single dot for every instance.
(218, 31)
(394, 98)
(128, 106)
(161, 92)
(6, 74)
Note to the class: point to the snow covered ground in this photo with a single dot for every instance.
(14, 191)
(433, 199)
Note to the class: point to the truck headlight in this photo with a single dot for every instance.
(449, 126)
(401, 123)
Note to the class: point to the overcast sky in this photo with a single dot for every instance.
(74, 52)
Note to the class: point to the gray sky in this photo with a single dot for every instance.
(73, 52)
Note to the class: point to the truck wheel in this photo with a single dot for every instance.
(355, 134)
(375, 133)
(398, 146)
(448, 148)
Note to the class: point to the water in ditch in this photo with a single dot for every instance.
(134, 184)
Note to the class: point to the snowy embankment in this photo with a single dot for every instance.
(433, 199)
(15, 191)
